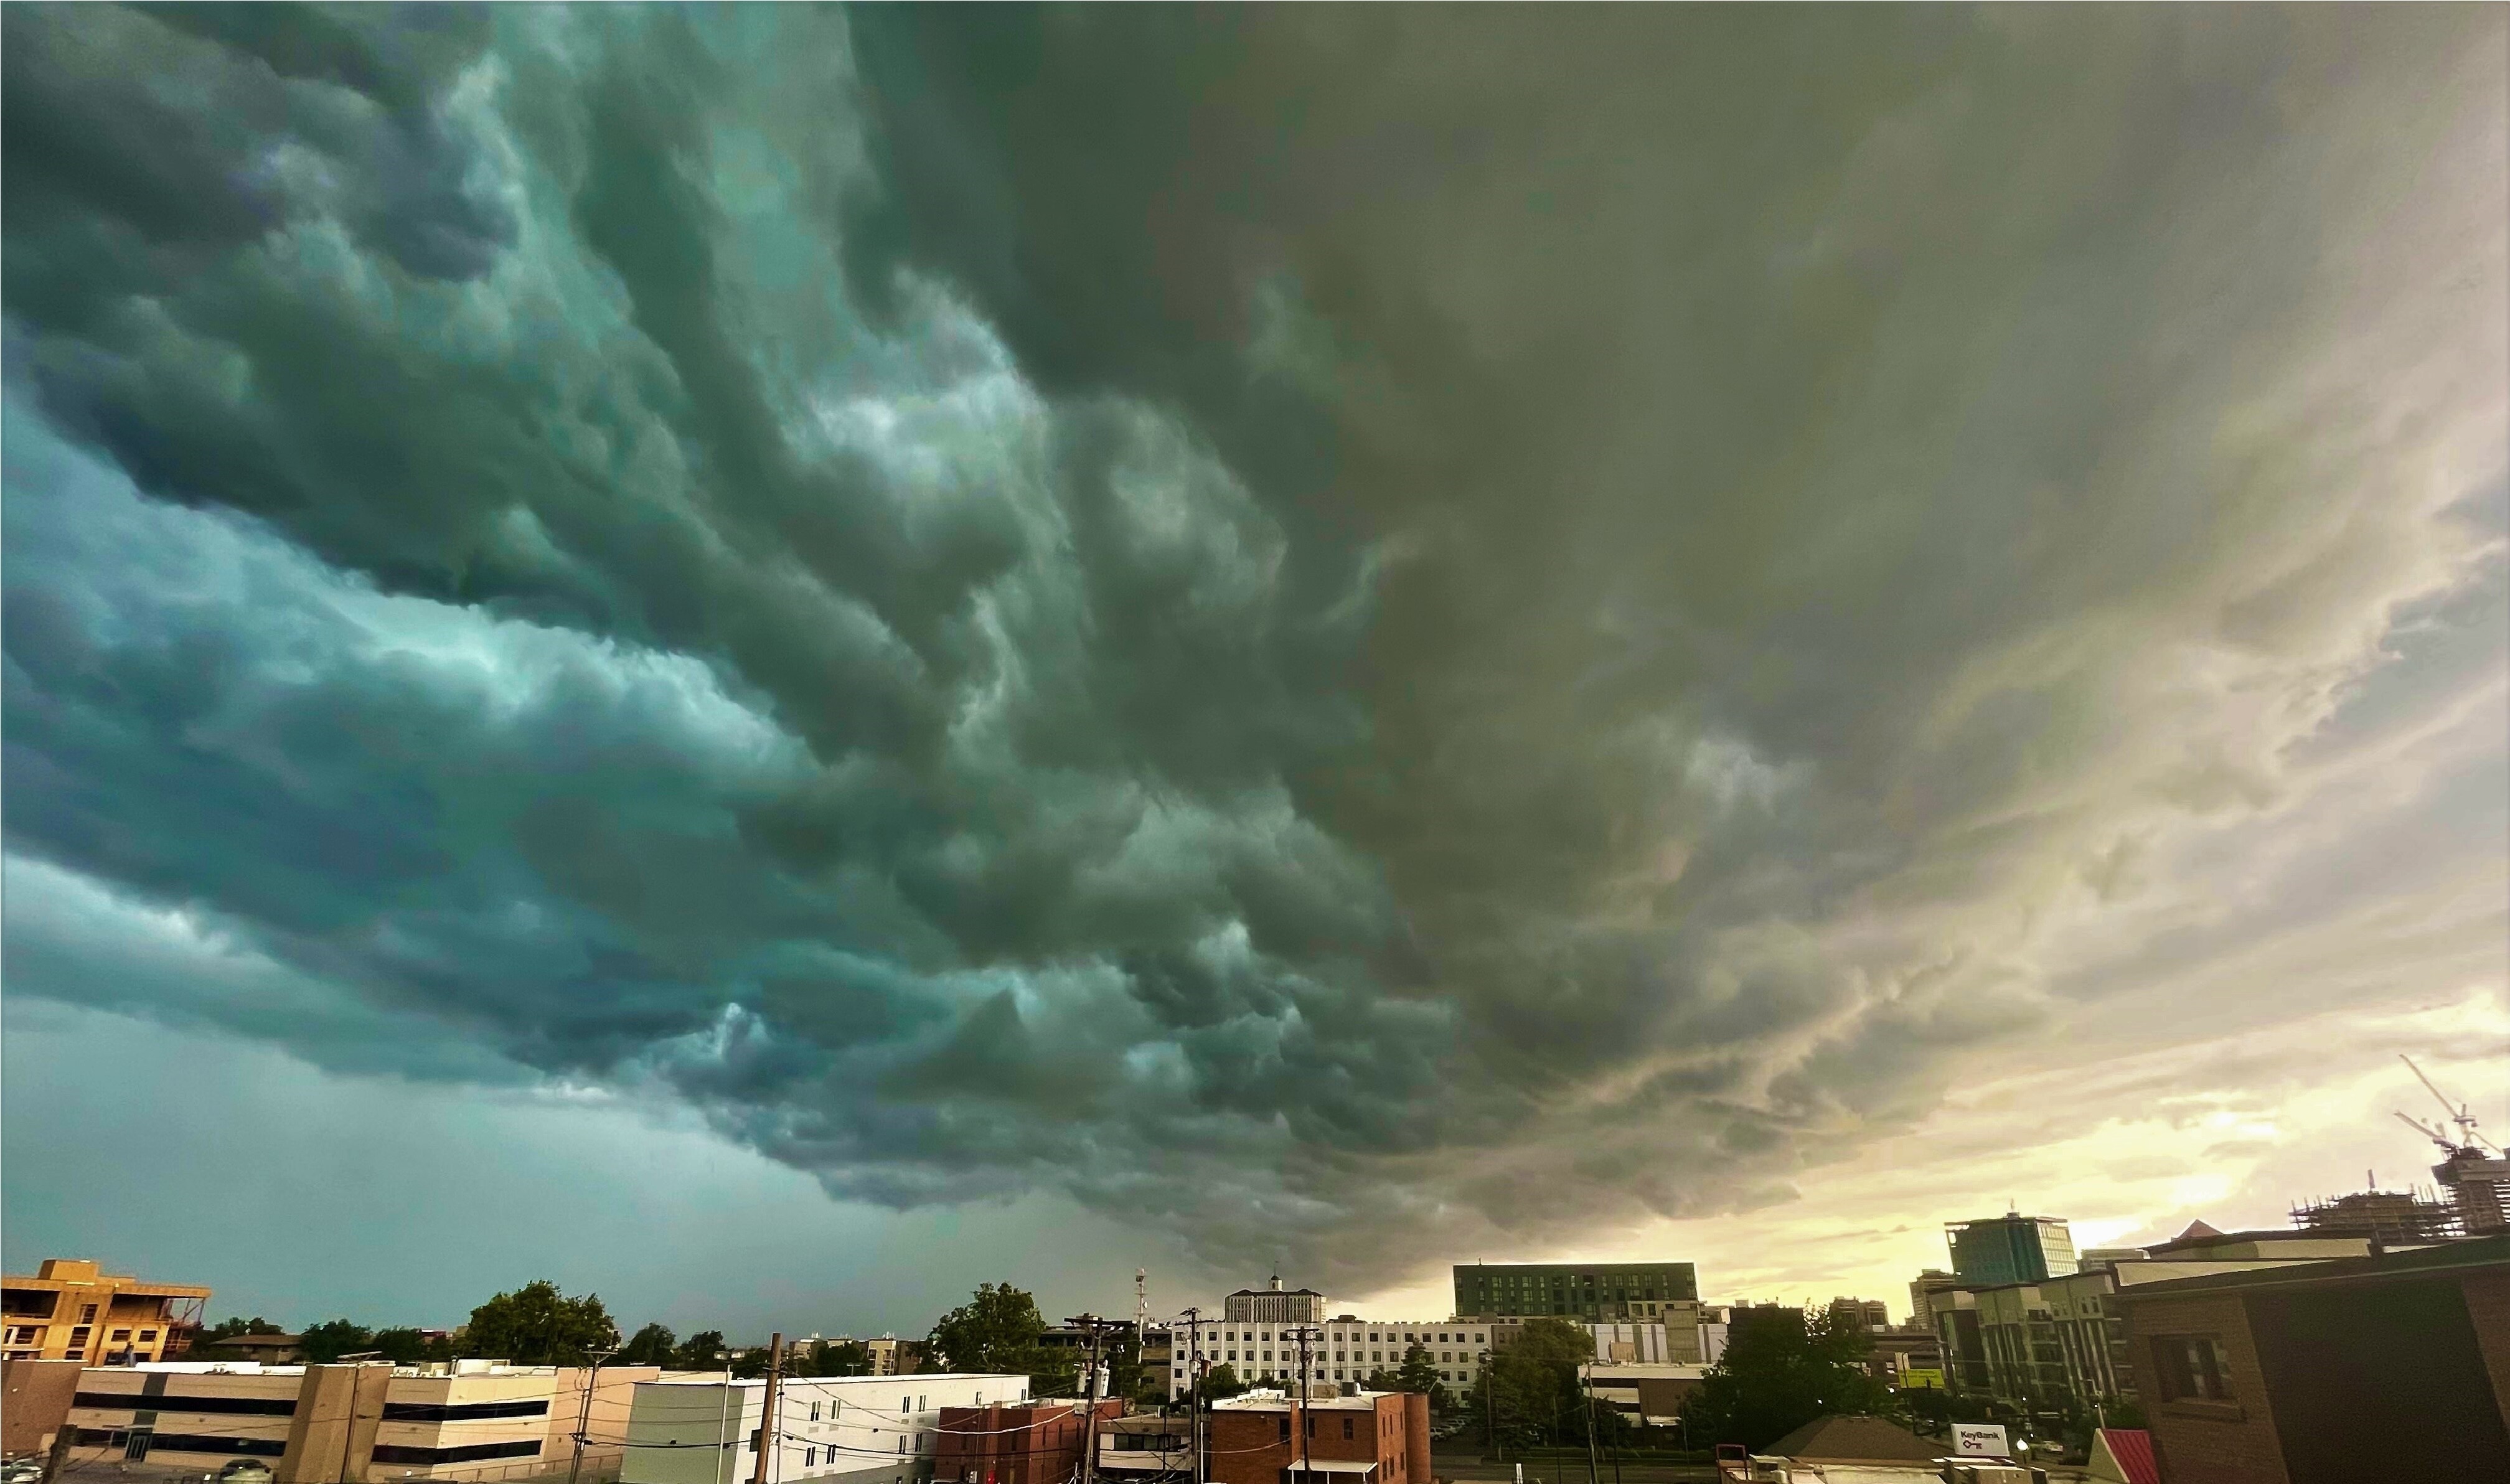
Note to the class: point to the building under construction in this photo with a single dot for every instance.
(2472, 1197)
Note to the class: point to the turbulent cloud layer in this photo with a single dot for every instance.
(1357, 632)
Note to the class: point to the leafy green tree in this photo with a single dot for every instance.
(701, 1351)
(1420, 1373)
(650, 1345)
(1219, 1381)
(841, 1358)
(1529, 1388)
(1780, 1372)
(998, 1330)
(537, 1325)
(232, 1325)
(331, 1339)
(405, 1346)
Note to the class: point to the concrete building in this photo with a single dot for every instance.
(2389, 1366)
(1921, 1292)
(2010, 1249)
(1274, 1304)
(1346, 1348)
(1590, 1291)
(352, 1423)
(1645, 1394)
(1864, 1313)
(699, 1428)
(1031, 1442)
(69, 1310)
(894, 1357)
(1348, 1438)
(1145, 1446)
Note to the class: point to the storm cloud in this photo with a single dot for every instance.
(1361, 632)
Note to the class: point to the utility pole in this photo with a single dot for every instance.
(1098, 1329)
(584, 1419)
(768, 1431)
(1586, 1379)
(1490, 1408)
(1299, 1411)
(1194, 1397)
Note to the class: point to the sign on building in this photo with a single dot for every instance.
(1979, 1440)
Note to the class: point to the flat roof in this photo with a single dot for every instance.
(716, 1379)
(2473, 1252)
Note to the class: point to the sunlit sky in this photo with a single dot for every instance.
(780, 660)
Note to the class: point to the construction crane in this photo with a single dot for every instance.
(2457, 1113)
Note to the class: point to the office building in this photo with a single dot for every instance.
(1861, 1313)
(698, 1429)
(1344, 1350)
(1274, 1304)
(2389, 1366)
(68, 1310)
(350, 1422)
(1921, 1292)
(1327, 1437)
(2010, 1249)
(1146, 1448)
(1590, 1291)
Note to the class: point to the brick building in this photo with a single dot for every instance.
(1015, 1443)
(1355, 1437)
(2395, 1365)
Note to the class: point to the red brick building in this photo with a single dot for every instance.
(2392, 1366)
(1037, 1442)
(1357, 1437)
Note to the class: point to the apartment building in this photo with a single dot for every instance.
(1345, 1438)
(2393, 1365)
(70, 1309)
(1589, 1291)
(352, 1423)
(1274, 1304)
(698, 1429)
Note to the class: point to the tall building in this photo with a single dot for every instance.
(2010, 1249)
(1863, 1313)
(1274, 1305)
(1589, 1291)
(69, 1310)
(1922, 1296)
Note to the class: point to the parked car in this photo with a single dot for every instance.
(22, 1471)
(243, 1471)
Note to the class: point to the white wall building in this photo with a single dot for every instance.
(1343, 1348)
(869, 1430)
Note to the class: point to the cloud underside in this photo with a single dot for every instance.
(1343, 629)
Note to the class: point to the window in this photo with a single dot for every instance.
(923, 1403)
(148, 1334)
(121, 1334)
(1285, 1426)
(1346, 1426)
(810, 1457)
(901, 1442)
(905, 1404)
(2191, 1367)
(87, 1315)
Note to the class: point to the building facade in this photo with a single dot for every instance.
(68, 1310)
(1345, 1350)
(1273, 1306)
(352, 1423)
(1355, 1437)
(1033, 1442)
(2389, 1366)
(1589, 1291)
(2010, 1249)
(696, 1429)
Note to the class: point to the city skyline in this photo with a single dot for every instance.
(883, 649)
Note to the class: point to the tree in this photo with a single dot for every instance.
(1420, 1373)
(750, 1364)
(842, 1358)
(231, 1325)
(650, 1345)
(331, 1339)
(537, 1325)
(1529, 1387)
(997, 1329)
(404, 1346)
(701, 1351)
(1220, 1380)
(1780, 1372)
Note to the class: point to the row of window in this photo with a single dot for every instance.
(1334, 1336)
(285, 1406)
(1356, 1375)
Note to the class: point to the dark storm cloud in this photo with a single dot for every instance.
(1311, 621)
